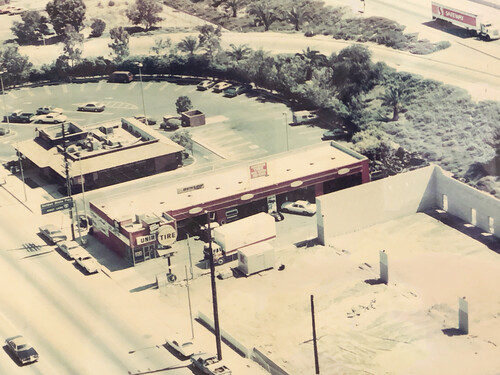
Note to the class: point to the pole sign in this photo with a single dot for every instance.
(167, 235)
(57, 205)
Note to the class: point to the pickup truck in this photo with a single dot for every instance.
(19, 116)
(52, 233)
(209, 364)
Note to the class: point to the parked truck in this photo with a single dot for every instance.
(256, 258)
(229, 238)
(209, 364)
(480, 19)
(19, 116)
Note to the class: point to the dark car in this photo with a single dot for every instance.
(235, 90)
(23, 351)
(335, 134)
(19, 116)
(151, 121)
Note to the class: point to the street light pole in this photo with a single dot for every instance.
(286, 130)
(3, 100)
(142, 93)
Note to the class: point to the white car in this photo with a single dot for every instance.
(221, 86)
(51, 118)
(92, 107)
(183, 348)
(88, 263)
(48, 109)
(52, 233)
(205, 85)
(72, 249)
(299, 207)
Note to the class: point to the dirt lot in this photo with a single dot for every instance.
(406, 327)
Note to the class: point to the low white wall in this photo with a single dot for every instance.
(375, 202)
(463, 198)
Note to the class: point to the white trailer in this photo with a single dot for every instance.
(256, 258)
(229, 238)
(480, 19)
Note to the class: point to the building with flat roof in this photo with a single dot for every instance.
(102, 154)
(225, 195)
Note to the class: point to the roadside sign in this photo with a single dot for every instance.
(57, 205)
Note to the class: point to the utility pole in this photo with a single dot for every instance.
(214, 292)
(315, 343)
(189, 301)
(68, 180)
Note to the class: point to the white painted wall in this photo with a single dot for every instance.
(365, 205)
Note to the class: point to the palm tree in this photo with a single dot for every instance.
(265, 12)
(312, 59)
(240, 52)
(189, 45)
(395, 97)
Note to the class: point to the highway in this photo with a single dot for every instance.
(79, 324)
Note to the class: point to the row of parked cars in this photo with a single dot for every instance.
(230, 90)
(71, 249)
(49, 114)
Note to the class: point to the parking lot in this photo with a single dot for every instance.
(241, 128)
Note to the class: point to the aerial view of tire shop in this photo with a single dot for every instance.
(265, 187)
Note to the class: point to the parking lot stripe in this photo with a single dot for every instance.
(115, 86)
(132, 85)
(148, 85)
(82, 88)
(47, 90)
(164, 86)
(99, 86)
(65, 89)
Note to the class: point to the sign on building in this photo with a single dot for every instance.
(187, 189)
(258, 170)
(167, 235)
(141, 240)
(57, 205)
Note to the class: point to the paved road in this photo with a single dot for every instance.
(80, 324)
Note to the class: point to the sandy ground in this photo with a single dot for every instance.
(364, 328)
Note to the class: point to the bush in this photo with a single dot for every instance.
(98, 26)
(111, 3)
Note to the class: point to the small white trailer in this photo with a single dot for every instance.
(256, 258)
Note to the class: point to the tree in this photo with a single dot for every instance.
(189, 44)
(302, 11)
(161, 45)
(183, 104)
(266, 12)
(230, 5)
(73, 44)
(98, 26)
(209, 39)
(16, 66)
(66, 12)
(183, 138)
(239, 52)
(145, 12)
(31, 29)
(119, 45)
(312, 60)
(395, 96)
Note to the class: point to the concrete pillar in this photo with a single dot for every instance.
(384, 267)
(463, 315)
(318, 189)
(365, 171)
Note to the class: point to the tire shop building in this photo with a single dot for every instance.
(102, 154)
(145, 225)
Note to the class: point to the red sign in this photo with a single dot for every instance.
(258, 170)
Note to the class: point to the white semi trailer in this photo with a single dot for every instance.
(481, 20)
(229, 238)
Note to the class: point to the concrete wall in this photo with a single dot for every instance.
(463, 198)
(368, 204)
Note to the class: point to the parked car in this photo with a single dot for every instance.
(183, 348)
(299, 207)
(23, 351)
(71, 249)
(88, 263)
(52, 233)
(92, 107)
(209, 364)
(170, 122)
(335, 134)
(151, 121)
(48, 109)
(19, 116)
(235, 90)
(221, 86)
(51, 118)
(121, 76)
(205, 84)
